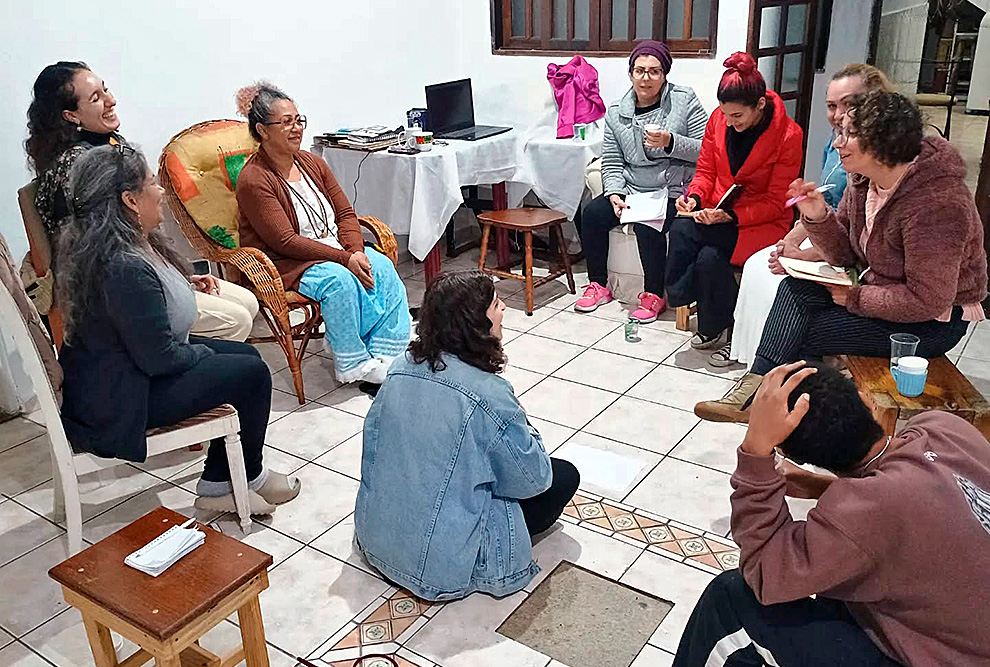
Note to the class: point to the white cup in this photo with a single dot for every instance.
(423, 141)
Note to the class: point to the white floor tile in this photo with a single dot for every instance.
(617, 468)
(273, 355)
(554, 435)
(261, 537)
(566, 403)
(679, 388)
(170, 464)
(540, 354)
(282, 404)
(318, 375)
(22, 530)
(99, 491)
(161, 495)
(313, 430)
(655, 344)
(614, 310)
(18, 655)
(20, 430)
(326, 498)
(462, 634)
(712, 444)
(339, 542)
(697, 360)
(575, 328)
(311, 596)
(644, 424)
(415, 289)
(691, 493)
(25, 466)
(605, 370)
(520, 378)
(63, 641)
(30, 597)
(978, 345)
(5, 638)
(350, 399)
(514, 316)
(671, 581)
(345, 458)
(653, 657)
(566, 542)
(226, 636)
(976, 370)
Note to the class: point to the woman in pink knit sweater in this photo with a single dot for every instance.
(908, 223)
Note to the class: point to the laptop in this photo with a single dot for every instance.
(451, 111)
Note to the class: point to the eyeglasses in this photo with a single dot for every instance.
(288, 121)
(842, 137)
(654, 73)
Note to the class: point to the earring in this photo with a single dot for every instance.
(79, 127)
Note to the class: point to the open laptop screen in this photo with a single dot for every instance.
(450, 105)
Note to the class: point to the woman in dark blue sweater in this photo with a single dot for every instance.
(129, 361)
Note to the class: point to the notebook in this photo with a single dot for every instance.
(819, 272)
(726, 203)
(166, 549)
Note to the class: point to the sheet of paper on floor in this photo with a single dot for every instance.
(602, 470)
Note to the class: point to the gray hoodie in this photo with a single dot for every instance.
(628, 166)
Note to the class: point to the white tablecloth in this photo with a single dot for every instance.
(418, 194)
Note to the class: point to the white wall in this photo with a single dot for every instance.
(979, 84)
(902, 39)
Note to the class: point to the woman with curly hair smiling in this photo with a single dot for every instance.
(907, 223)
(454, 478)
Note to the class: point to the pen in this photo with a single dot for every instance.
(188, 523)
(800, 198)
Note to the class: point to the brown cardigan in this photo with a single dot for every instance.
(925, 252)
(268, 220)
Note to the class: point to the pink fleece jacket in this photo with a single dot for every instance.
(575, 87)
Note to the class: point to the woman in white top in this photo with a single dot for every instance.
(293, 210)
(762, 272)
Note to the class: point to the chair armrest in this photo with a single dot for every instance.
(41, 249)
(258, 268)
(383, 236)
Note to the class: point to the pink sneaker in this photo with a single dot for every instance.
(650, 306)
(594, 295)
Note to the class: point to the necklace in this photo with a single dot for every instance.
(312, 215)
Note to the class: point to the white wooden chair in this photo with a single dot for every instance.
(67, 465)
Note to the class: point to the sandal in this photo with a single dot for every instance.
(279, 488)
(256, 504)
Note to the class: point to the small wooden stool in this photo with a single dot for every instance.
(684, 313)
(527, 221)
(166, 615)
(946, 389)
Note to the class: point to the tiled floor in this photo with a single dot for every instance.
(656, 518)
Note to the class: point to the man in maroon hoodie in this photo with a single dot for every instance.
(896, 552)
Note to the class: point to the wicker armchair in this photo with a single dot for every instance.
(261, 276)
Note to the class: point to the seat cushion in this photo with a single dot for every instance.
(203, 164)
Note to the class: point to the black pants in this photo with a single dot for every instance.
(729, 626)
(236, 375)
(597, 218)
(804, 323)
(699, 271)
(542, 511)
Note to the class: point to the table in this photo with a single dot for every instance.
(418, 194)
(946, 389)
(166, 615)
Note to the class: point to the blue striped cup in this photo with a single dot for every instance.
(910, 373)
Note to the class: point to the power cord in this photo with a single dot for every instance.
(354, 203)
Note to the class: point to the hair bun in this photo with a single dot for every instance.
(245, 98)
(741, 62)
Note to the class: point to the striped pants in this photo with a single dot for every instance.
(805, 323)
(729, 627)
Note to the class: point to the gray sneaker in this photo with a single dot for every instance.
(734, 407)
(700, 342)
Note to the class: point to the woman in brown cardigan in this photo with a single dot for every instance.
(292, 209)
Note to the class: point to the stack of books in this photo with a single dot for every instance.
(370, 138)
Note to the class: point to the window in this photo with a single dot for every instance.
(603, 27)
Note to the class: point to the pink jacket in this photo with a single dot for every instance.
(575, 87)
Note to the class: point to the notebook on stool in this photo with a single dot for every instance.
(451, 112)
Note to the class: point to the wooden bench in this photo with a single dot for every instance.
(166, 615)
(946, 389)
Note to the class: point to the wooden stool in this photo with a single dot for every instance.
(166, 615)
(527, 221)
(946, 389)
(683, 313)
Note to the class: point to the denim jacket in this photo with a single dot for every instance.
(446, 456)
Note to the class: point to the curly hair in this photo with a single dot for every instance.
(838, 430)
(49, 133)
(453, 319)
(888, 126)
(102, 230)
(255, 103)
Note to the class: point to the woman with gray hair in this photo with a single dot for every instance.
(129, 361)
(293, 210)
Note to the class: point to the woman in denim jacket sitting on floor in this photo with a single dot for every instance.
(454, 478)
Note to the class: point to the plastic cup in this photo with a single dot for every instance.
(902, 345)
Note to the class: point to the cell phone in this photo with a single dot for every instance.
(402, 150)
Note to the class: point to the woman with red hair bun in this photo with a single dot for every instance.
(751, 143)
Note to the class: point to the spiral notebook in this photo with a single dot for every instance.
(166, 549)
